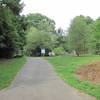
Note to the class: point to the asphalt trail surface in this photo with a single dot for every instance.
(37, 80)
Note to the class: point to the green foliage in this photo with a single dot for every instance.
(59, 51)
(78, 34)
(59, 40)
(67, 44)
(66, 67)
(95, 37)
(12, 28)
(37, 38)
(40, 32)
(14, 5)
(41, 22)
(8, 32)
(9, 69)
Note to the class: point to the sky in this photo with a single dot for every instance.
(63, 11)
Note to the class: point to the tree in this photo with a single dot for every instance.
(8, 34)
(40, 32)
(59, 38)
(59, 51)
(14, 5)
(94, 41)
(41, 22)
(11, 29)
(78, 32)
(37, 39)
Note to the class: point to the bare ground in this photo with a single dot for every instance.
(90, 72)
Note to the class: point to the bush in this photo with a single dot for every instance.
(59, 51)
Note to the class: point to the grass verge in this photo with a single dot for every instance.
(9, 69)
(65, 66)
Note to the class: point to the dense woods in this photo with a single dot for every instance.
(84, 35)
(12, 28)
(23, 35)
(40, 33)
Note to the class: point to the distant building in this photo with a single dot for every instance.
(2, 4)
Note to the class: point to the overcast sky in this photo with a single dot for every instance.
(63, 11)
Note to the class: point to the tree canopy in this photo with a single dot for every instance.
(84, 35)
(40, 32)
(11, 29)
(21, 34)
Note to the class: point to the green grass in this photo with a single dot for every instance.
(9, 69)
(65, 66)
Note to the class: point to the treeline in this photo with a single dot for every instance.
(12, 28)
(84, 36)
(25, 35)
(39, 34)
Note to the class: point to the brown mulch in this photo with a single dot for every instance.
(90, 72)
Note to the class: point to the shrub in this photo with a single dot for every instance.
(59, 51)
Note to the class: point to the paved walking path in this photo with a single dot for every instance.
(38, 81)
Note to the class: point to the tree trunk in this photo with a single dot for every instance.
(77, 53)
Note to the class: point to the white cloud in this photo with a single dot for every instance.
(62, 11)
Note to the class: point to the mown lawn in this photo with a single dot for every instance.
(65, 66)
(9, 69)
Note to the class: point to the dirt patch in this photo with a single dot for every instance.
(90, 72)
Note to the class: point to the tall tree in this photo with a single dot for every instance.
(77, 33)
(15, 5)
(40, 32)
(11, 29)
(41, 22)
(94, 40)
(60, 38)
